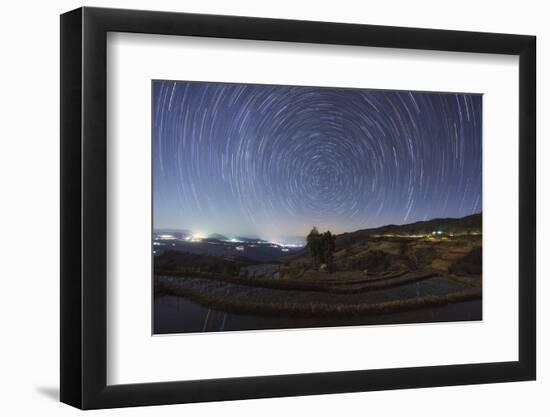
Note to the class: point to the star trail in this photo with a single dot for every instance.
(273, 161)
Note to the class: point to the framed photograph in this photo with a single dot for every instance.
(258, 208)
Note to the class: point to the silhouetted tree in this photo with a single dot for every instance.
(314, 244)
(321, 246)
(328, 247)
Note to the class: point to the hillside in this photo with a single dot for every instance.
(454, 226)
(443, 245)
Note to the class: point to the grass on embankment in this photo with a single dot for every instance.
(223, 302)
(333, 286)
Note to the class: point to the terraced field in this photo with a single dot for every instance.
(395, 274)
(342, 298)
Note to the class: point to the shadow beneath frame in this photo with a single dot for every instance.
(50, 392)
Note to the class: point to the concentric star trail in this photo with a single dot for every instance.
(275, 160)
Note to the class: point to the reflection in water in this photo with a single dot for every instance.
(180, 315)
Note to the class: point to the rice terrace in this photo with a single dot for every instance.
(428, 271)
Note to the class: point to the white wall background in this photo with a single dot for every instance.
(29, 177)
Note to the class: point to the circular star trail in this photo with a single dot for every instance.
(276, 160)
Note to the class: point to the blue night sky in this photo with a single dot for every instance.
(273, 161)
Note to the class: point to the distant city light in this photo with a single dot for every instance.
(285, 245)
(167, 237)
(197, 237)
(233, 240)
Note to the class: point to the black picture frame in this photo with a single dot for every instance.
(84, 207)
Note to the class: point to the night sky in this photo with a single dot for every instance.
(272, 161)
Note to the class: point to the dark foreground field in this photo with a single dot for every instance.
(190, 304)
(378, 276)
(180, 315)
